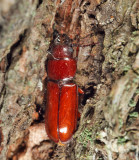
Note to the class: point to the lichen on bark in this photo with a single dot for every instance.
(107, 32)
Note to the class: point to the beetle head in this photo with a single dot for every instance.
(61, 46)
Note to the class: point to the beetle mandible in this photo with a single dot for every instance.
(62, 94)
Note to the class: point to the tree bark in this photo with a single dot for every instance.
(107, 33)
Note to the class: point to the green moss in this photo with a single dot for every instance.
(136, 80)
(128, 86)
(122, 140)
(132, 103)
(132, 38)
(137, 91)
(33, 13)
(127, 68)
(85, 137)
(135, 32)
(36, 48)
(9, 41)
(120, 123)
(133, 115)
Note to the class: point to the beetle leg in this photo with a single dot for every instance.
(78, 115)
(80, 91)
(60, 143)
(77, 51)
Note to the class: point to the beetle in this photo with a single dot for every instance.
(62, 93)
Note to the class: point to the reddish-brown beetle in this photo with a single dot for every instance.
(62, 94)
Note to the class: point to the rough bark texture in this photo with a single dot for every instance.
(107, 32)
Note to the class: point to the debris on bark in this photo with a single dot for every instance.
(107, 33)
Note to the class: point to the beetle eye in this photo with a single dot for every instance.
(58, 39)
